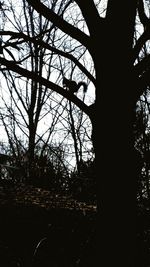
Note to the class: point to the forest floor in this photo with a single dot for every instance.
(29, 195)
(28, 214)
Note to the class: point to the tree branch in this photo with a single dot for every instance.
(32, 75)
(90, 13)
(146, 34)
(48, 47)
(60, 23)
(139, 44)
(143, 18)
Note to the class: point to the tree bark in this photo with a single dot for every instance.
(116, 171)
(116, 176)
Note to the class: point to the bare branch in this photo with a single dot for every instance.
(60, 23)
(37, 41)
(143, 17)
(33, 76)
(89, 12)
(139, 44)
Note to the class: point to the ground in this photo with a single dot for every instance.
(66, 225)
(29, 214)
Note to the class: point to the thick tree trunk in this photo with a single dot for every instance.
(114, 147)
(116, 176)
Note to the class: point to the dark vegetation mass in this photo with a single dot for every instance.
(51, 206)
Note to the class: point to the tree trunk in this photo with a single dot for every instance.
(115, 147)
(31, 151)
(116, 181)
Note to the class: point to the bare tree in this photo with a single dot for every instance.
(30, 102)
(24, 110)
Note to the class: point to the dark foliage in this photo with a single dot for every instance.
(83, 184)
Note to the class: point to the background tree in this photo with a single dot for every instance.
(31, 104)
(142, 145)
